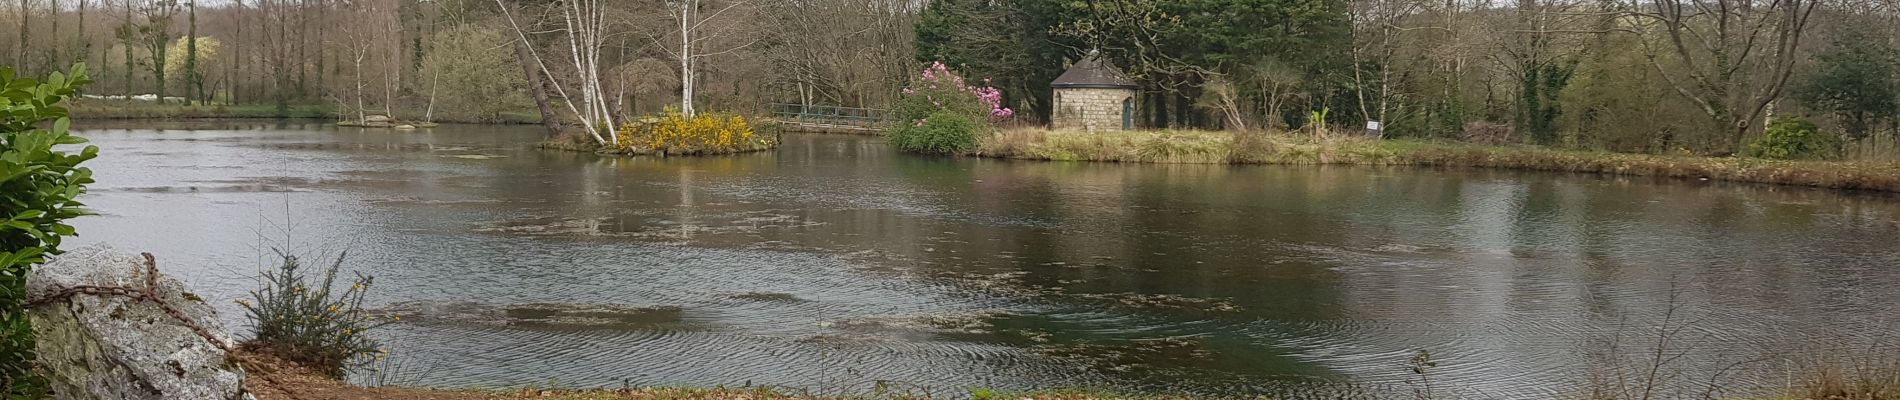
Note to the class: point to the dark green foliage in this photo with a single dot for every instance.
(302, 318)
(943, 132)
(38, 188)
(1538, 106)
(1024, 45)
(1856, 82)
(1010, 42)
(1794, 139)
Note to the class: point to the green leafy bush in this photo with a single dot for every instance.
(944, 132)
(470, 78)
(1793, 139)
(941, 113)
(38, 188)
(302, 318)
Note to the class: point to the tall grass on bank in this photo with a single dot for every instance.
(1272, 148)
(1869, 374)
(302, 318)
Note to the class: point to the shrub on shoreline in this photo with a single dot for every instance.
(1793, 139)
(39, 185)
(301, 318)
(943, 132)
(942, 114)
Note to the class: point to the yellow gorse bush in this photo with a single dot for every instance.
(675, 133)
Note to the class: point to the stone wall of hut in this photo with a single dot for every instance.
(1089, 109)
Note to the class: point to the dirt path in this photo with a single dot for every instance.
(273, 379)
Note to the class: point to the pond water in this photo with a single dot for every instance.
(837, 265)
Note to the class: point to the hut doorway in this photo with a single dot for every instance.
(1128, 113)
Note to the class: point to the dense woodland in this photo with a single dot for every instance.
(1653, 76)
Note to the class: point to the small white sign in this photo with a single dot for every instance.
(1372, 125)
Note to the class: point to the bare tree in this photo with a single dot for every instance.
(537, 88)
(156, 35)
(583, 20)
(696, 30)
(1278, 82)
(1732, 58)
(846, 52)
(1376, 48)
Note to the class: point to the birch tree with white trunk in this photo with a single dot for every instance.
(696, 31)
(583, 23)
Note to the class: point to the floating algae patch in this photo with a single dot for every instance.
(412, 200)
(546, 316)
(548, 227)
(1139, 300)
(243, 188)
(772, 297)
(1148, 356)
(1012, 284)
(956, 324)
(649, 225)
(591, 316)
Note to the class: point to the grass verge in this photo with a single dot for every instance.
(127, 109)
(131, 109)
(1270, 148)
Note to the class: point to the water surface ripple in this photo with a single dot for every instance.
(835, 263)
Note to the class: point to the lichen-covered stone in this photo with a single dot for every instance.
(118, 347)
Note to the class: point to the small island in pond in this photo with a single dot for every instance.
(674, 134)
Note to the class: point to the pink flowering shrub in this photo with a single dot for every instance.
(942, 113)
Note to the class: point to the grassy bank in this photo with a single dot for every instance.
(1270, 148)
(129, 109)
(125, 109)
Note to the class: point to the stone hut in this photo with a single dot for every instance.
(1094, 96)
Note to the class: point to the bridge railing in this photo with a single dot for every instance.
(823, 115)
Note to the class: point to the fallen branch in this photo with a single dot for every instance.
(149, 293)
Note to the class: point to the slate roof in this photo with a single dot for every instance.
(1092, 72)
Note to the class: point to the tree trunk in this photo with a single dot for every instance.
(85, 45)
(192, 84)
(127, 42)
(537, 90)
(24, 18)
(323, 36)
(52, 52)
(234, 68)
(1182, 103)
(281, 53)
(158, 64)
(303, 40)
(686, 58)
(1158, 102)
(360, 116)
